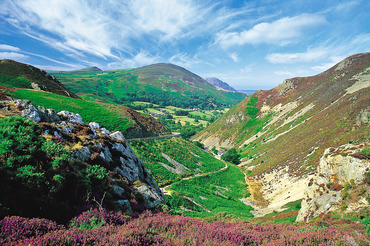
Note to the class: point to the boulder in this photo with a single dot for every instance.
(71, 117)
(94, 125)
(117, 135)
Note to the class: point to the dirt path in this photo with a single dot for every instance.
(173, 135)
(168, 192)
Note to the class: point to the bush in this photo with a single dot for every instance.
(199, 144)
(37, 176)
(367, 177)
(231, 156)
(97, 217)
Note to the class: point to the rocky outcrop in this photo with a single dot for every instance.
(338, 170)
(92, 145)
(36, 113)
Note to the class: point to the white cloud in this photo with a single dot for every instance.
(234, 57)
(140, 59)
(247, 69)
(283, 73)
(12, 56)
(8, 47)
(184, 60)
(115, 28)
(280, 32)
(310, 55)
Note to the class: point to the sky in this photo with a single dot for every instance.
(251, 44)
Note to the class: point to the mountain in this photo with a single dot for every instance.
(219, 84)
(83, 70)
(16, 74)
(163, 84)
(282, 133)
(248, 92)
(22, 81)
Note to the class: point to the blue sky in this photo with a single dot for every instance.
(253, 44)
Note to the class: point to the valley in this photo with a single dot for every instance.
(156, 138)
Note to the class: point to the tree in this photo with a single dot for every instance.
(231, 156)
(199, 144)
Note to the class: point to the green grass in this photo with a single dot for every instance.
(106, 115)
(162, 84)
(19, 82)
(219, 192)
(181, 150)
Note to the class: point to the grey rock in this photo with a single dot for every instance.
(117, 135)
(94, 125)
(57, 134)
(52, 115)
(67, 129)
(108, 155)
(151, 198)
(118, 190)
(71, 117)
(125, 206)
(105, 131)
(31, 114)
(82, 155)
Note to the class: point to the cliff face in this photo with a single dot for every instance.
(130, 187)
(339, 183)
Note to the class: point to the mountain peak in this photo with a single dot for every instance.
(220, 84)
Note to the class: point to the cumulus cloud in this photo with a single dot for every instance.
(279, 32)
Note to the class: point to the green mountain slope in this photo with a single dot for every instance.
(163, 84)
(16, 74)
(194, 181)
(292, 124)
(24, 81)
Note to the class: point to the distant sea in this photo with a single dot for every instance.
(248, 92)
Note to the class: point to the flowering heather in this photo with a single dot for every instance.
(165, 229)
(97, 217)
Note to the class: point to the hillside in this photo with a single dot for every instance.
(220, 84)
(22, 81)
(282, 133)
(63, 165)
(162, 84)
(16, 74)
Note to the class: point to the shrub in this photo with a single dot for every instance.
(231, 156)
(367, 177)
(97, 217)
(366, 152)
(15, 228)
(96, 172)
(198, 144)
